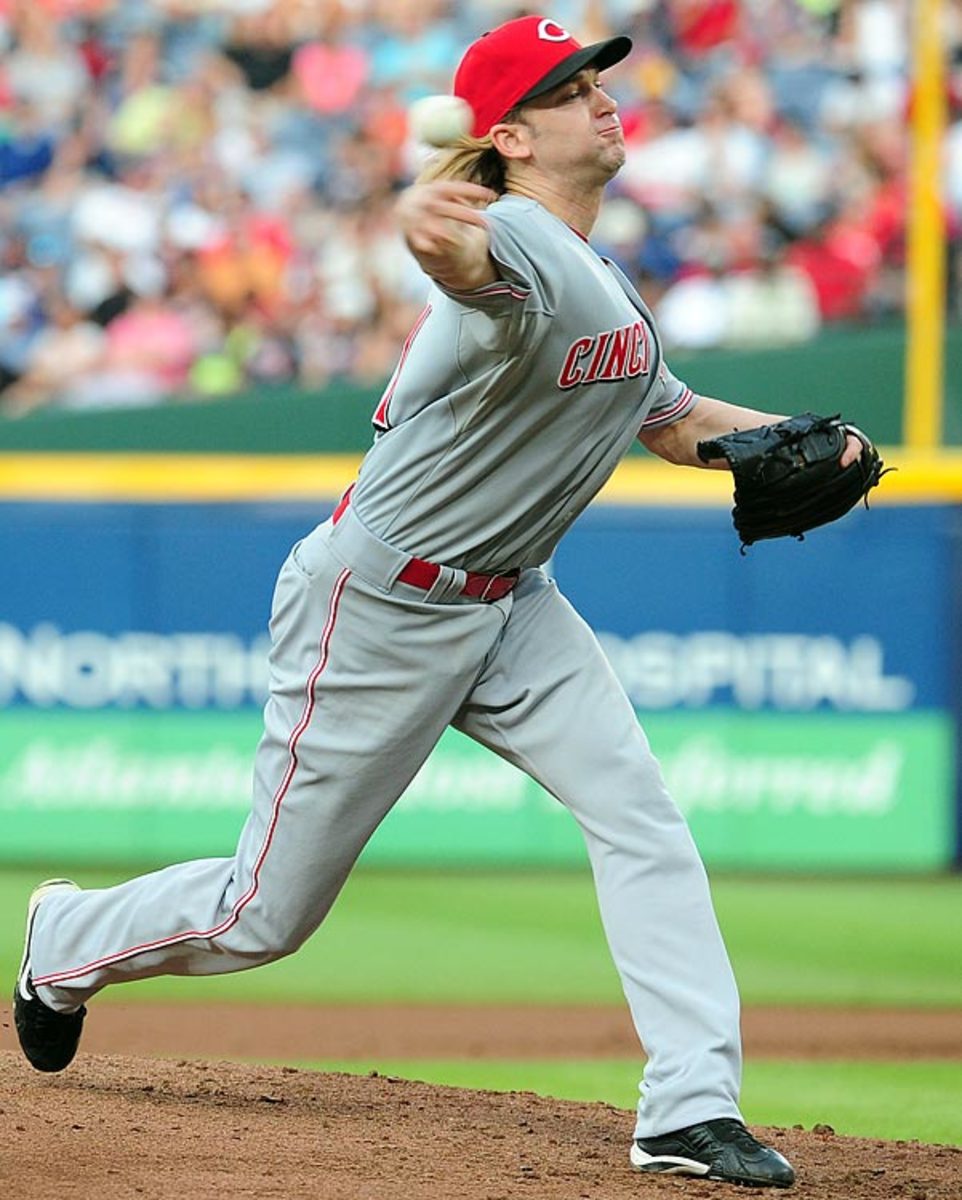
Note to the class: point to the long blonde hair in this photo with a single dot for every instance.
(471, 159)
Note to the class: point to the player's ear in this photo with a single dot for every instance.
(511, 139)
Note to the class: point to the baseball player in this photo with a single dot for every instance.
(422, 603)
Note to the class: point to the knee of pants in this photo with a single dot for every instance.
(630, 795)
(262, 941)
(645, 825)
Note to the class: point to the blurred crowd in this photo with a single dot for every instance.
(196, 195)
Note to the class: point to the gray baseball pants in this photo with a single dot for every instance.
(366, 673)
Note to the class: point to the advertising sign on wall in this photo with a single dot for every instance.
(795, 729)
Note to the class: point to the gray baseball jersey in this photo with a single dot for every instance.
(509, 409)
(512, 406)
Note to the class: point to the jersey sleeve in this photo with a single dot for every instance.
(673, 400)
(522, 264)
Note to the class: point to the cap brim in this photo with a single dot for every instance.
(600, 54)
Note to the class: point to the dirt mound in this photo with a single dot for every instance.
(303, 1032)
(113, 1127)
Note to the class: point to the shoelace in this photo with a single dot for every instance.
(730, 1130)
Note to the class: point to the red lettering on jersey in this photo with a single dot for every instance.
(640, 351)
(571, 373)
(613, 354)
(634, 362)
(601, 345)
(617, 365)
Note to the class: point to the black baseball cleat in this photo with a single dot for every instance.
(721, 1149)
(48, 1039)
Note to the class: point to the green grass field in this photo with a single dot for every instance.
(515, 938)
(863, 1099)
(512, 938)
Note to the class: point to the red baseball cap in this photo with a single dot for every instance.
(522, 59)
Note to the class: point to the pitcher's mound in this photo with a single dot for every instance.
(112, 1127)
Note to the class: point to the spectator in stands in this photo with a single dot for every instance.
(218, 175)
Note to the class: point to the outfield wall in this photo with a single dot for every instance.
(857, 371)
(802, 698)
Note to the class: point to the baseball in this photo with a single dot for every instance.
(440, 120)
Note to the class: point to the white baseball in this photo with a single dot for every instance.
(440, 120)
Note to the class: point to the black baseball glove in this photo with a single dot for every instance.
(787, 476)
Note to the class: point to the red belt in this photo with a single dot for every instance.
(482, 587)
(422, 574)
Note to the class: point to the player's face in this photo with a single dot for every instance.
(575, 128)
